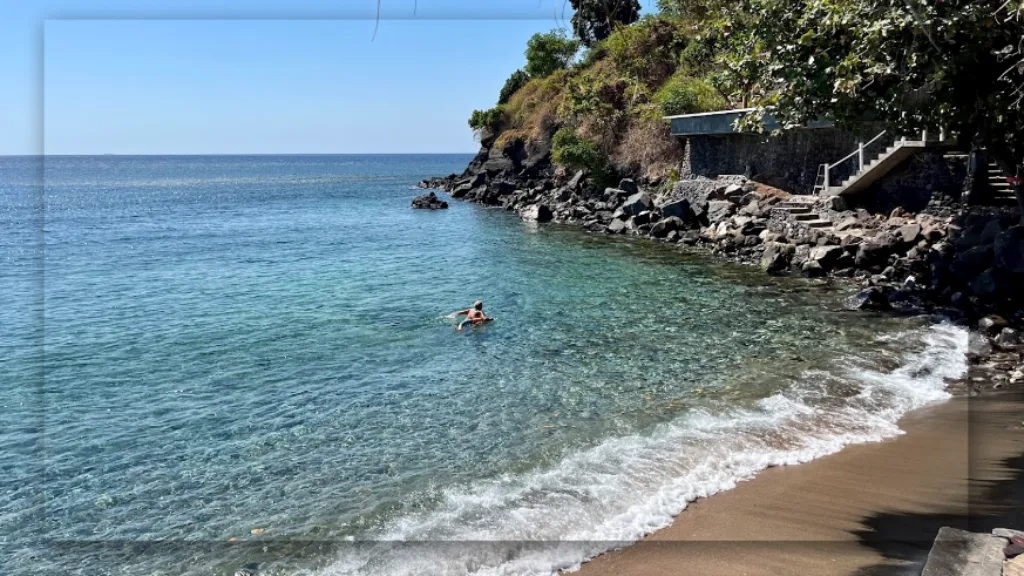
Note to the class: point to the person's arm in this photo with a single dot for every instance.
(463, 323)
(459, 313)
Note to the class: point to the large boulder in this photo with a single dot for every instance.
(636, 204)
(576, 180)
(1009, 250)
(986, 284)
(876, 251)
(537, 213)
(910, 233)
(615, 196)
(978, 347)
(642, 218)
(751, 197)
(777, 256)
(697, 192)
(992, 324)
(719, 210)
(629, 186)
(429, 201)
(872, 298)
(678, 208)
(665, 226)
(826, 256)
(727, 192)
(1008, 338)
(462, 190)
(616, 227)
(971, 262)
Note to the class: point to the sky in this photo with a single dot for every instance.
(264, 77)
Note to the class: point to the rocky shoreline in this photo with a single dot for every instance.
(964, 263)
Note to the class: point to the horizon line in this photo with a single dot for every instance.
(102, 154)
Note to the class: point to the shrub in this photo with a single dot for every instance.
(685, 95)
(648, 50)
(517, 80)
(698, 58)
(486, 120)
(549, 52)
(596, 91)
(573, 152)
(649, 149)
(597, 101)
(533, 108)
(592, 56)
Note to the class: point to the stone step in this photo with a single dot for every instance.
(804, 198)
(818, 223)
(805, 217)
(796, 209)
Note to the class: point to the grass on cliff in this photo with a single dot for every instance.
(613, 99)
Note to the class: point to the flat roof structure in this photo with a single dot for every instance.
(724, 122)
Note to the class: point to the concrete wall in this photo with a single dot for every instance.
(788, 161)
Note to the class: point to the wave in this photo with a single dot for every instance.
(611, 495)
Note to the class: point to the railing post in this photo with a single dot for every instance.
(826, 179)
(860, 156)
(924, 135)
(942, 134)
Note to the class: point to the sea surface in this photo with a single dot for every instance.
(210, 364)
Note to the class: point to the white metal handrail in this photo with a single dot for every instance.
(859, 153)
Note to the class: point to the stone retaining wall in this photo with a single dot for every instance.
(788, 161)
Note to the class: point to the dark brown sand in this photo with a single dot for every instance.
(872, 509)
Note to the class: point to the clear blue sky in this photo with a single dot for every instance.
(215, 77)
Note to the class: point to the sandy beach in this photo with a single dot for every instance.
(871, 509)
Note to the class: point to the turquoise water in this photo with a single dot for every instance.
(210, 347)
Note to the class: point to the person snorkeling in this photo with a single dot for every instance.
(474, 315)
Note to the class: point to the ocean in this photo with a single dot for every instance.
(222, 363)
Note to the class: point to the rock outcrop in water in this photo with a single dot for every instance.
(429, 201)
(964, 262)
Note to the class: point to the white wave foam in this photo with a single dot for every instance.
(615, 493)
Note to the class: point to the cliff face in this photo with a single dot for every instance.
(964, 262)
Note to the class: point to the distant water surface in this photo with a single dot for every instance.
(220, 362)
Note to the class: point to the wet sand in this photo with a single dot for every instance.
(872, 509)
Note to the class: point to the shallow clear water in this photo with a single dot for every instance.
(213, 345)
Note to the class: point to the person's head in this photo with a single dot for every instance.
(479, 305)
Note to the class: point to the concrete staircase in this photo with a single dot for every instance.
(891, 157)
(802, 209)
(1000, 190)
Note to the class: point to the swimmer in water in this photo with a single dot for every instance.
(474, 315)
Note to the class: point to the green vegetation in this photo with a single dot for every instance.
(517, 80)
(547, 53)
(951, 64)
(595, 20)
(611, 100)
(647, 51)
(486, 120)
(685, 95)
(570, 150)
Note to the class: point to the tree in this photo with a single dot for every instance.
(549, 52)
(517, 80)
(957, 65)
(595, 20)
